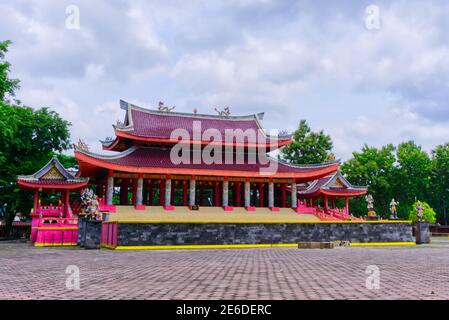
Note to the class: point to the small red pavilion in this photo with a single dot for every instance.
(53, 224)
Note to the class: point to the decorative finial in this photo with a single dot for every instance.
(195, 110)
(226, 112)
(81, 145)
(162, 107)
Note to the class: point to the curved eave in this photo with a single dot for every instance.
(84, 158)
(128, 135)
(334, 193)
(345, 193)
(37, 185)
(111, 145)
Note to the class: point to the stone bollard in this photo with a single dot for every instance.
(422, 232)
(92, 239)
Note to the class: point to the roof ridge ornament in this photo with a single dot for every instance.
(162, 107)
(81, 145)
(226, 112)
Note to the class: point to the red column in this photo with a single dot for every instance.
(283, 195)
(172, 193)
(184, 193)
(216, 191)
(36, 201)
(237, 194)
(66, 202)
(261, 185)
(347, 205)
(326, 203)
(161, 192)
(134, 197)
(150, 192)
(311, 202)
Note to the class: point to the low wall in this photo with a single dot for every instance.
(159, 234)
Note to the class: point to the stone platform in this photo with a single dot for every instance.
(212, 214)
(212, 227)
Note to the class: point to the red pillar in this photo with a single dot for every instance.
(184, 193)
(66, 202)
(172, 193)
(36, 201)
(161, 192)
(216, 193)
(261, 185)
(347, 205)
(237, 194)
(326, 203)
(134, 197)
(150, 192)
(283, 195)
(311, 202)
(201, 193)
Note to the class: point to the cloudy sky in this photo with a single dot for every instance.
(328, 62)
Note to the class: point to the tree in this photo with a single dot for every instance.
(307, 147)
(28, 139)
(412, 177)
(7, 85)
(374, 168)
(429, 214)
(439, 182)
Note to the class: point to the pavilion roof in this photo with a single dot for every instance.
(333, 185)
(157, 126)
(53, 176)
(157, 160)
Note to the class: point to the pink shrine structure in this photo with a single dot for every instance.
(53, 224)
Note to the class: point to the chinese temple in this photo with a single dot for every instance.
(53, 224)
(142, 173)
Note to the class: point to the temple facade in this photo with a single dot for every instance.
(169, 159)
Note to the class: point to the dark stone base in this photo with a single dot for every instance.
(422, 232)
(149, 234)
(89, 234)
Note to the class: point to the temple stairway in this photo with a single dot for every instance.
(210, 214)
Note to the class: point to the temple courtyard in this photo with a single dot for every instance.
(418, 272)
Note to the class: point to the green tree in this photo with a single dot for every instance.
(412, 176)
(429, 214)
(307, 147)
(439, 182)
(374, 168)
(7, 85)
(28, 139)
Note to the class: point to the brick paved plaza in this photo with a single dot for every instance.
(283, 273)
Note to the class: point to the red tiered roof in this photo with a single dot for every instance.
(157, 126)
(52, 176)
(334, 185)
(157, 160)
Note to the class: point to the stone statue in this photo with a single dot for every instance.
(419, 211)
(226, 112)
(89, 204)
(164, 108)
(393, 209)
(370, 203)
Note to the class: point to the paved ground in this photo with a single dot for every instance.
(282, 273)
